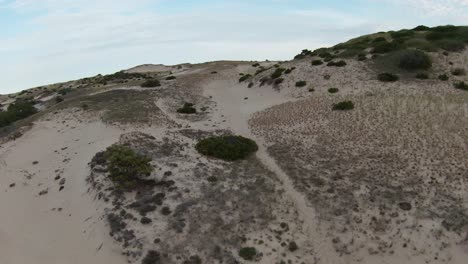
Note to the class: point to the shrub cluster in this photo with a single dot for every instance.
(17, 111)
(279, 81)
(345, 105)
(151, 83)
(387, 77)
(277, 73)
(414, 60)
(126, 167)
(458, 72)
(301, 83)
(168, 78)
(228, 148)
(422, 76)
(461, 86)
(317, 62)
(443, 77)
(340, 63)
(248, 253)
(333, 90)
(244, 77)
(187, 109)
(289, 70)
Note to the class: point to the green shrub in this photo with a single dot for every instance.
(333, 90)
(279, 81)
(170, 78)
(228, 148)
(256, 64)
(345, 105)
(414, 60)
(453, 45)
(387, 77)
(311, 90)
(293, 246)
(277, 73)
(17, 111)
(151, 83)
(317, 62)
(187, 109)
(458, 72)
(443, 77)
(125, 166)
(421, 28)
(461, 86)
(340, 63)
(245, 77)
(301, 83)
(288, 71)
(325, 55)
(248, 253)
(384, 47)
(422, 76)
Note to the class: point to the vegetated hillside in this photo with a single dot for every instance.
(349, 154)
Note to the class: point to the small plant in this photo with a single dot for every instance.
(151, 83)
(443, 77)
(458, 72)
(362, 57)
(311, 90)
(58, 99)
(340, 63)
(301, 83)
(187, 109)
(256, 64)
(212, 179)
(422, 76)
(327, 76)
(248, 253)
(214, 72)
(293, 246)
(251, 84)
(125, 166)
(279, 81)
(317, 62)
(288, 71)
(333, 90)
(414, 60)
(461, 86)
(277, 73)
(228, 148)
(345, 105)
(387, 77)
(151, 257)
(244, 77)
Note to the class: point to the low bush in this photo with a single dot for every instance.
(187, 109)
(125, 166)
(303, 54)
(311, 90)
(443, 77)
(17, 111)
(384, 47)
(279, 81)
(256, 64)
(387, 77)
(414, 60)
(227, 148)
(422, 76)
(458, 72)
(421, 28)
(317, 62)
(345, 105)
(362, 57)
(289, 70)
(277, 73)
(461, 86)
(151, 83)
(333, 90)
(245, 77)
(168, 78)
(301, 83)
(58, 99)
(293, 246)
(340, 63)
(248, 253)
(453, 45)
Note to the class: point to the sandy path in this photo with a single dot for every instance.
(32, 229)
(230, 97)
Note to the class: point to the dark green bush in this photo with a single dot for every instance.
(248, 253)
(151, 83)
(461, 86)
(458, 72)
(325, 55)
(58, 99)
(333, 90)
(17, 111)
(126, 167)
(293, 246)
(278, 81)
(228, 148)
(277, 73)
(317, 62)
(303, 54)
(170, 78)
(345, 105)
(340, 63)
(311, 90)
(387, 77)
(384, 47)
(301, 83)
(414, 60)
(256, 64)
(288, 71)
(422, 76)
(421, 28)
(245, 77)
(187, 109)
(443, 77)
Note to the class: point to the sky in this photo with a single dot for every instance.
(49, 41)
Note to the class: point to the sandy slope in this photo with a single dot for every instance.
(32, 229)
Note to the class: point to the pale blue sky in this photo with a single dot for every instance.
(47, 41)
